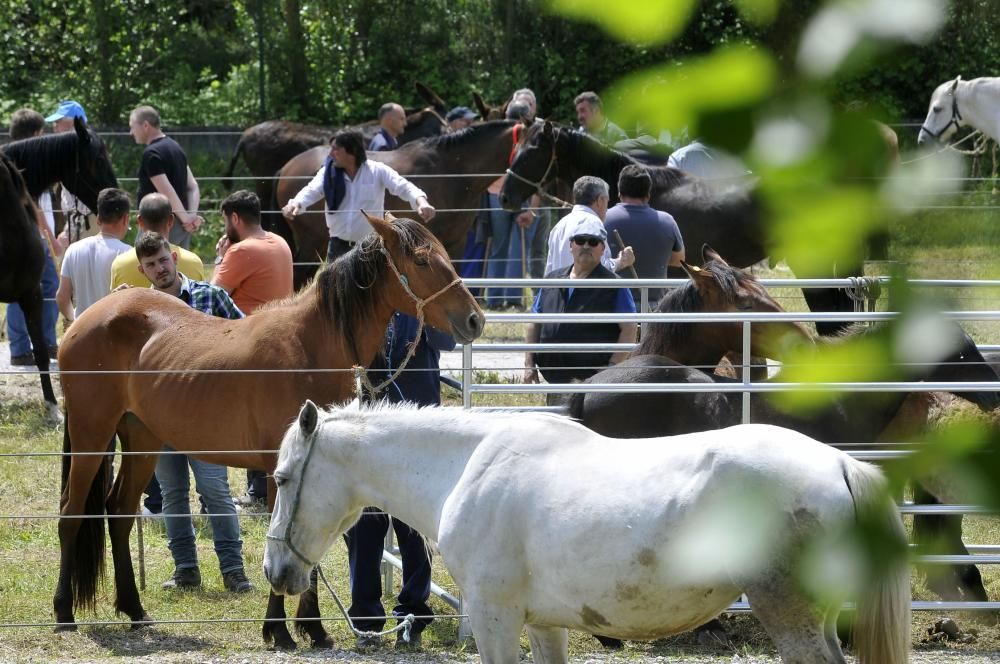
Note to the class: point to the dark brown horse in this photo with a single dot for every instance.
(22, 258)
(199, 389)
(480, 149)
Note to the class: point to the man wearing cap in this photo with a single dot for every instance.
(80, 220)
(460, 117)
(164, 168)
(392, 122)
(587, 242)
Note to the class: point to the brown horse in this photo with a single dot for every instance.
(205, 383)
(480, 149)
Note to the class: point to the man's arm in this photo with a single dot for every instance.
(400, 187)
(676, 257)
(308, 195)
(189, 220)
(626, 335)
(531, 337)
(64, 298)
(194, 197)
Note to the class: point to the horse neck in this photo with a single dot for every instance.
(682, 342)
(481, 149)
(407, 464)
(979, 104)
(44, 160)
(331, 347)
(579, 155)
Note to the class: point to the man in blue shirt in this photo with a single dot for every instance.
(587, 239)
(159, 264)
(392, 122)
(417, 383)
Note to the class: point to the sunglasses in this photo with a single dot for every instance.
(588, 240)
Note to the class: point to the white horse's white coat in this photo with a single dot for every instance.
(542, 522)
(978, 105)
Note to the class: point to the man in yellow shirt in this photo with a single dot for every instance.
(155, 216)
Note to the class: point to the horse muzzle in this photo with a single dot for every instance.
(469, 328)
(285, 578)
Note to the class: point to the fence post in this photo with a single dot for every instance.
(746, 371)
(467, 375)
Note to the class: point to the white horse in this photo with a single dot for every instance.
(542, 522)
(958, 103)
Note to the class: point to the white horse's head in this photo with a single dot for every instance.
(943, 117)
(312, 507)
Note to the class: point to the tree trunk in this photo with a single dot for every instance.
(298, 69)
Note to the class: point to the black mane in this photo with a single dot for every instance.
(42, 159)
(345, 287)
(470, 133)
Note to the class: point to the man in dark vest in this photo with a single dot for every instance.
(587, 240)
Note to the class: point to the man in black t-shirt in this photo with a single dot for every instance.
(164, 169)
(653, 233)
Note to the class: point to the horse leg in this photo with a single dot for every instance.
(942, 535)
(307, 615)
(795, 624)
(81, 540)
(548, 644)
(123, 503)
(275, 631)
(32, 305)
(497, 630)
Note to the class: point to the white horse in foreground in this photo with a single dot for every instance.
(542, 522)
(958, 103)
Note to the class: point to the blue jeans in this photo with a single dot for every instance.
(17, 328)
(364, 550)
(212, 484)
(505, 253)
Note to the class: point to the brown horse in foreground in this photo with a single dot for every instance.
(257, 373)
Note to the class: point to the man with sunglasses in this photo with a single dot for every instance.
(587, 243)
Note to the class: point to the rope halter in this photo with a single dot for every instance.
(537, 186)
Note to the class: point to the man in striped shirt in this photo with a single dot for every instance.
(158, 262)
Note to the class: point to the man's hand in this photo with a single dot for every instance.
(625, 259)
(291, 210)
(66, 323)
(525, 219)
(121, 287)
(192, 222)
(425, 209)
(222, 246)
(530, 376)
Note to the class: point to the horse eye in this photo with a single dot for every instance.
(279, 480)
(421, 261)
(937, 109)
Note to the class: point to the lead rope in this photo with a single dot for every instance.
(405, 625)
(361, 376)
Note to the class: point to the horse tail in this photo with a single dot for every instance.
(882, 628)
(87, 569)
(226, 177)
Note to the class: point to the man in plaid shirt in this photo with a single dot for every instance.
(159, 263)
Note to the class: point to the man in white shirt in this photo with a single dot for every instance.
(86, 267)
(590, 195)
(350, 183)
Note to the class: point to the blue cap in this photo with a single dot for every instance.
(461, 112)
(68, 109)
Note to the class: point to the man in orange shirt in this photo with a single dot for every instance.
(255, 267)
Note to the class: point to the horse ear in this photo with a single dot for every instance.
(955, 84)
(547, 129)
(308, 418)
(430, 97)
(382, 226)
(81, 130)
(693, 271)
(484, 110)
(709, 254)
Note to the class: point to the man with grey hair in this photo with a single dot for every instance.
(392, 122)
(526, 96)
(590, 195)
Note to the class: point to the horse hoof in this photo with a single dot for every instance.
(284, 644)
(53, 415)
(65, 627)
(145, 621)
(325, 643)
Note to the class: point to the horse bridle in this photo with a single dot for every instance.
(956, 120)
(287, 537)
(538, 186)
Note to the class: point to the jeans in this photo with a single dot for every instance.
(505, 253)
(17, 328)
(212, 484)
(364, 549)
(336, 248)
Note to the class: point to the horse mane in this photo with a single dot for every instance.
(685, 300)
(463, 136)
(36, 156)
(344, 288)
(15, 195)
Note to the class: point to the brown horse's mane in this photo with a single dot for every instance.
(458, 138)
(686, 299)
(345, 289)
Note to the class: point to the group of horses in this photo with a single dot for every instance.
(190, 369)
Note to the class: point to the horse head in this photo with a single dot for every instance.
(425, 280)
(303, 527)
(93, 171)
(725, 288)
(534, 166)
(487, 112)
(943, 116)
(958, 360)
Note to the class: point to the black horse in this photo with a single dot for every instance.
(727, 216)
(22, 258)
(852, 418)
(77, 159)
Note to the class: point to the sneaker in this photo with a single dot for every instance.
(249, 503)
(237, 581)
(149, 514)
(368, 642)
(186, 577)
(412, 644)
(26, 360)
